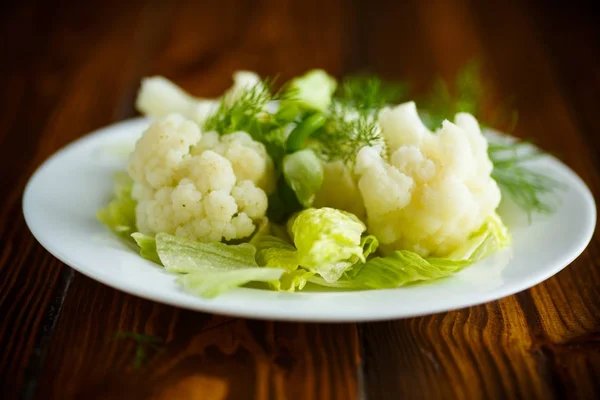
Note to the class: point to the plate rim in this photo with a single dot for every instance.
(213, 306)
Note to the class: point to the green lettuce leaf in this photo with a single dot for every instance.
(119, 214)
(303, 172)
(369, 245)
(272, 252)
(290, 281)
(342, 283)
(328, 241)
(208, 269)
(490, 238)
(397, 269)
(280, 232)
(264, 229)
(186, 256)
(147, 245)
(404, 267)
(209, 284)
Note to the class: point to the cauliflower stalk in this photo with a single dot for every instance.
(429, 193)
(201, 186)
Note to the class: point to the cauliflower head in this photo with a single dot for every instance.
(202, 186)
(431, 190)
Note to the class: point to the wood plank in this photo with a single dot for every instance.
(541, 343)
(566, 304)
(568, 311)
(208, 356)
(46, 103)
(214, 356)
(479, 352)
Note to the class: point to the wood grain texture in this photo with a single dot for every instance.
(39, 114)
(60, 85)
(204, 357)
(542, 343)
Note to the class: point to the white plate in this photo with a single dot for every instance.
(62, 197)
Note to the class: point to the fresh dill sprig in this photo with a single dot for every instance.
(345, 134)
(144, 343)
(352, 121)
(528, 189)
(247, 112)
(464, 94)
(368, 93)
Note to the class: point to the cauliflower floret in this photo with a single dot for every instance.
(161, 150)
(245, 155)
(158, 97)
(197, 185)
(211, 171)
(250, 199)
(434, 190)
(246, 158)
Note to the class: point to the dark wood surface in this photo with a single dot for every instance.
(70, 67)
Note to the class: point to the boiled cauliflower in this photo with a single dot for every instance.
(433, 189)
(158, 97)
(422, 191)
(340, 190)
(198, 185)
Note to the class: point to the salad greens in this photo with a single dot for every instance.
(207, 269)
(445, 99)
(328, 249)
(310, 124)
(147, 245)
(328, 241)
(182, 255)
(119, 214)
(314, 90)
(529, 189)
(291, 281)
(303, 172)
(211, 283)
(272, 252)
(343, 136)
(368, 93)
(276, 252)
(318, 121)
(247, 113)
(405, 267)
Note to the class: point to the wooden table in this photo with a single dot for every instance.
(71, 67)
